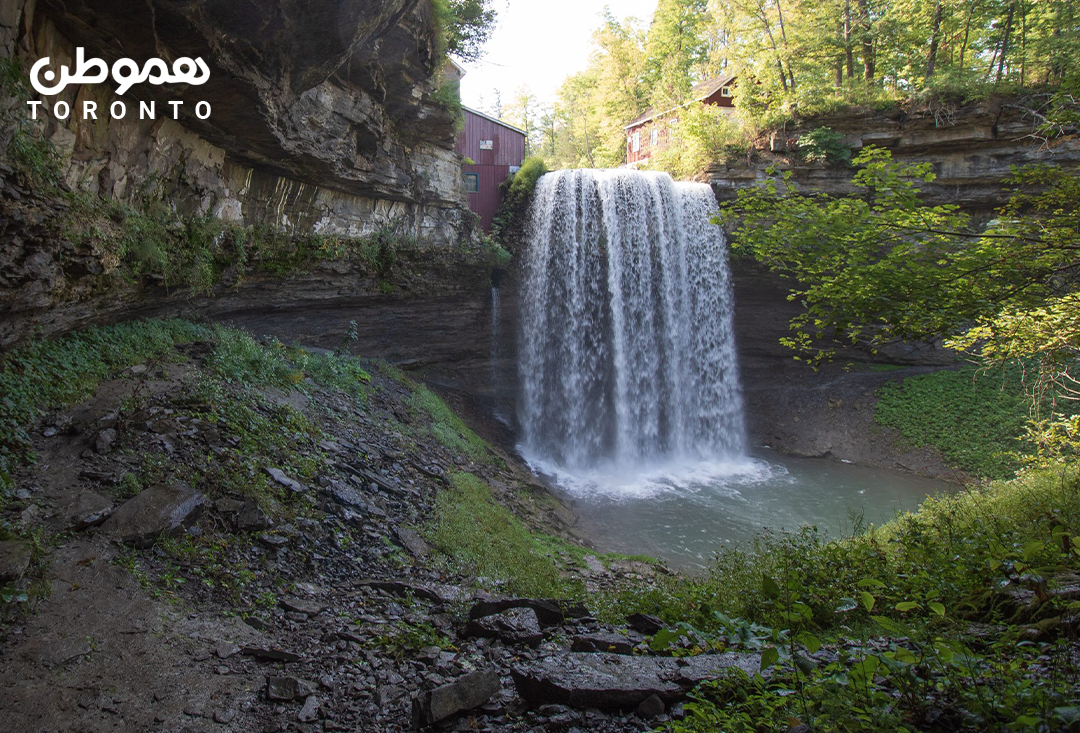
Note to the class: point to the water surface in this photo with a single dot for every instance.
(684, 512)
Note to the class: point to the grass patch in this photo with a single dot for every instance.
(484, 538)
(42, 375)
(976, 419)
(445, 426)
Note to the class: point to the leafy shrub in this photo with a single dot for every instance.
(824, 145)
(704, 135)
(508, 226)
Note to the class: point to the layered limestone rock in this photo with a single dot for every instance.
(971, 149)
(322, 113)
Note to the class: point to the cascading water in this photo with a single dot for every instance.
(627, 356)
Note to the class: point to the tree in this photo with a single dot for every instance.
(467, 25)
(882, 266)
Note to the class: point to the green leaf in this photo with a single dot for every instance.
(867, 600)
(902, 654)
(870, 583)
(938, 608)
(769, 587)
(847, 604)
(808, 640)
(905, 606)
(769, 657)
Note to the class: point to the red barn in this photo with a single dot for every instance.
(493, 150)
(651, 130)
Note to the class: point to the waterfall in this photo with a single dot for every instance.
(626, 356)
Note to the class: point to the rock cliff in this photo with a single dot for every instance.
(323, 116)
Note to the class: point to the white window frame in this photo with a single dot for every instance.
(654, 138)
(635, 146)
(725, 91)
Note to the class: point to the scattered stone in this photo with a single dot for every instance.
(309, 713)
(346, 495)
(88, 509)
(645, 623)
(22, 494)
(549, 612)
(287, 688)
(464, 693)
(412, 542)
(299, 605)
(401, 588)
(602, 642)
(103, 443)
(651, 707)
(619, 682)
(514, 626)
(161, 510)
(272, 655)
(49, 431)
(224, 716)
(226, 649)
(279, 476)
(273, 541)
(388, 694)
(14, 559)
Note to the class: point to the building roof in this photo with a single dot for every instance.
(698, 92)
(496, 120)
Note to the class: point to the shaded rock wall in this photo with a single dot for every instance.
(323, 117)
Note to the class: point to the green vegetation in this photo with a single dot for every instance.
(516, 196)
(42, 375)
(823, 145)
(464, 26)
(445, 426)
(796, 61)
(407, 639)
(482, 537)
(976, 419)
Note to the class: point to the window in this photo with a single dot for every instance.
(636, 145)
(514, 169)
(655, 137)
(725, 91)
(472, 182)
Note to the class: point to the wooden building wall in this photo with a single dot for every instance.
(492, 166)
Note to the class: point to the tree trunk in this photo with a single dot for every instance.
(867, 41)
(935, 39)
(1005, 41)
(967, 33)
(849, 53)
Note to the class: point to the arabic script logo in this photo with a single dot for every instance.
(125, 72)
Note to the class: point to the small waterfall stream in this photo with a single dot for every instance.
(627, 356)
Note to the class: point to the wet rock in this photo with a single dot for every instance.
(514, 626)
(287, 688)
(88, 509)
(645, 623)
(401, 588)
(103, 443)
(279, 476)
(651, 707)
(158, 511)
(464, 693)
(412, 542)
(619, 682)
(549, 612)
(224, 716)
(14, 559)
(388, 694)
(602, 642)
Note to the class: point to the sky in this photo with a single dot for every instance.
(539, 43)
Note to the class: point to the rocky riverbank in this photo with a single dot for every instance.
(203, 547)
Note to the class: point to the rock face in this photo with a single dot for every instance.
(322, 112)
(971, 149)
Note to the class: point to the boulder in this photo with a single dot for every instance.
(514, 626)
(602, 642)
(287, 688)
(645, 623)
(279, 477)
(412, 542)
(159, 511)
(465, 693)
(619, 682)
(549, 612)
(88, 509)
